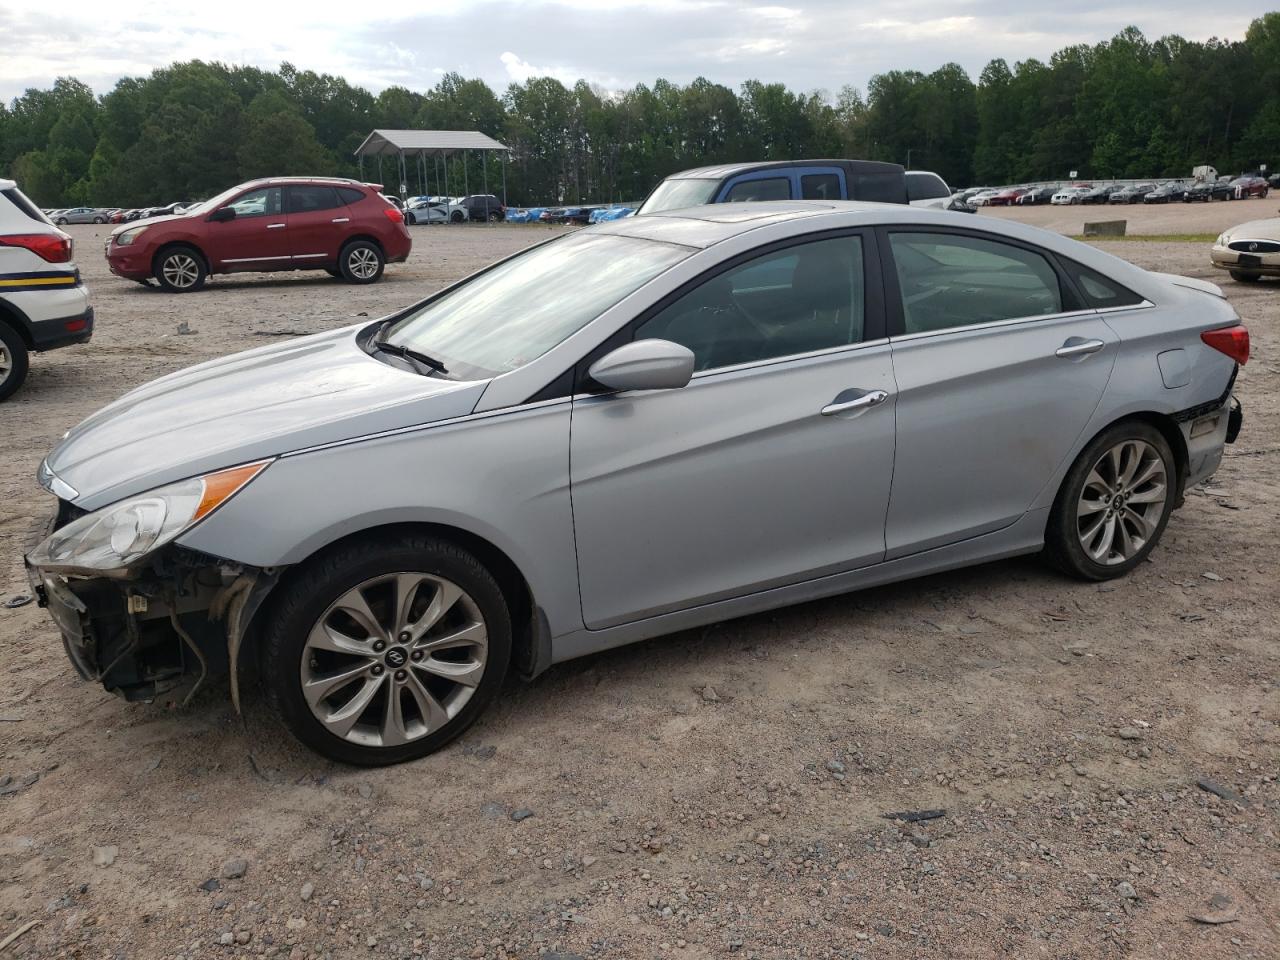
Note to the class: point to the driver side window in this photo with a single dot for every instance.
(795, 300)
(262, 202)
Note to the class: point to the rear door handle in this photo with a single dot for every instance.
(1078, 347)
(275, 226)
(872, 398)
(340, 220)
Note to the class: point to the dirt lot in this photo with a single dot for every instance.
(715, 793)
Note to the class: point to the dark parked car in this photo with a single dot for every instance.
(1100, 194)
(1208, 190)
(1132, 193)
(580, 215)
(1037, 196)
(1246, 187)
(1166, 193)
(484, 206)
(343, 227)
(781, 180)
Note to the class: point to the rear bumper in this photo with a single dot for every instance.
(64, 332)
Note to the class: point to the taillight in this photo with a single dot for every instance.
(394, 215)
(1233, 341)
(52, 247)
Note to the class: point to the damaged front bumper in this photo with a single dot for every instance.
(175, 619)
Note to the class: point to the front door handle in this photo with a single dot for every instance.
(275, 226)
(1078, 347)
(340, 220)
(872, 398)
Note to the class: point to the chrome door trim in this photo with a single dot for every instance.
(255, 259)
(308, 256)
(996, 324)
(340, 220)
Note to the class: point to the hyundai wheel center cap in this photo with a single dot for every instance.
(397, 657)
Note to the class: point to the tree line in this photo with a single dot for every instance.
(1126, 107)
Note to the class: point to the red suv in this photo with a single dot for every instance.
(297, 223)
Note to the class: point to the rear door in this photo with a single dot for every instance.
(772, 466)
(255, 239)
(318, 222)
(999, 369)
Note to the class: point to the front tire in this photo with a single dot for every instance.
(1114, 503)
(180, 270)
(382, 652)
(13, 361)
(361, 262)
(1239, 276)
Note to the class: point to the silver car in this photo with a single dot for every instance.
(79, 215)
(640, 427)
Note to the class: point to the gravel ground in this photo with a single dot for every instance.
(1106, 756)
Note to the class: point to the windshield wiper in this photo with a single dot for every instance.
(397, 350)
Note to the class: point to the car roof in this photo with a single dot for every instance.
(721, 170)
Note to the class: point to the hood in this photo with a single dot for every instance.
(146, 222)
(1268, 229)
(249, 406)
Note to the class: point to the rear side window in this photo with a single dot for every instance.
(350, 194)
(820, 186)
(878, 188)
(309, 199)
(1099, 291)
(926, 186)
(19, 200)
(772, 188)
(952, 280)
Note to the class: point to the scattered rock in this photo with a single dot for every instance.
(17, 600)
(1125, 889)
(588, 860)
(763, 839)
(295, 923)
(709, 694)
(1218, 790)
(234, 869)
(1220, 910)
(1129, 733)
(365, 790)
(227, 939)
(915, 816)
(1209, 575)
(524, 813)
(307, 891)
(104, 856)
(210, 885)
(835, 766)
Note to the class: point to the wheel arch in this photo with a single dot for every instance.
(362, 236)
(14, 318)
(531, 634)
(189, 244)
(1168, 428)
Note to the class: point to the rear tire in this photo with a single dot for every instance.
(456, 217)
(1239, 276)
(180, 269)
(299, 649)
(1114, 503)
(361, 262)
(13, 361)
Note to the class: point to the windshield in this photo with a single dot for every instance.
(520, 309)
(207, 206)
(678, 194)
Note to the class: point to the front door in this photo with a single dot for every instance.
(771, 467)
(999, 371)
(255, 238)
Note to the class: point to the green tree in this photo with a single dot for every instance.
(277, 141)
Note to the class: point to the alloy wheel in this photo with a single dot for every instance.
(180, 270)
(394, 659)
(363, 263)
(6, 364)
(1122, 502)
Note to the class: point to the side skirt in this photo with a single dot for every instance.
(1023, 537)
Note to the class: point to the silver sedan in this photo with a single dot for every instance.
(640, 427)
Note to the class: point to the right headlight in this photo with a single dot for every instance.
(113, 538)
(1223, 239)
(126, 238)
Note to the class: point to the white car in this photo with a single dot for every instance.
(1069, 195)
(927, 189)
(43, 302)
(980, 199)
(435, 210)
(1249, 251)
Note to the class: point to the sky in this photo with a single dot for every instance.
(817, 45)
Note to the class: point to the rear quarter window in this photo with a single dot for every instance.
(350, 194)
(1098, 291)
(19, 200)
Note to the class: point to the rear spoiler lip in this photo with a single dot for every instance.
(1193, 283)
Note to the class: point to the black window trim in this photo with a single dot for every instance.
(578, 381)
(1073, 301)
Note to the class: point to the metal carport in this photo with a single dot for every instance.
(417, 145)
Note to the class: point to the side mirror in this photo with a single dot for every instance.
(644, 365)
(222, 214)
